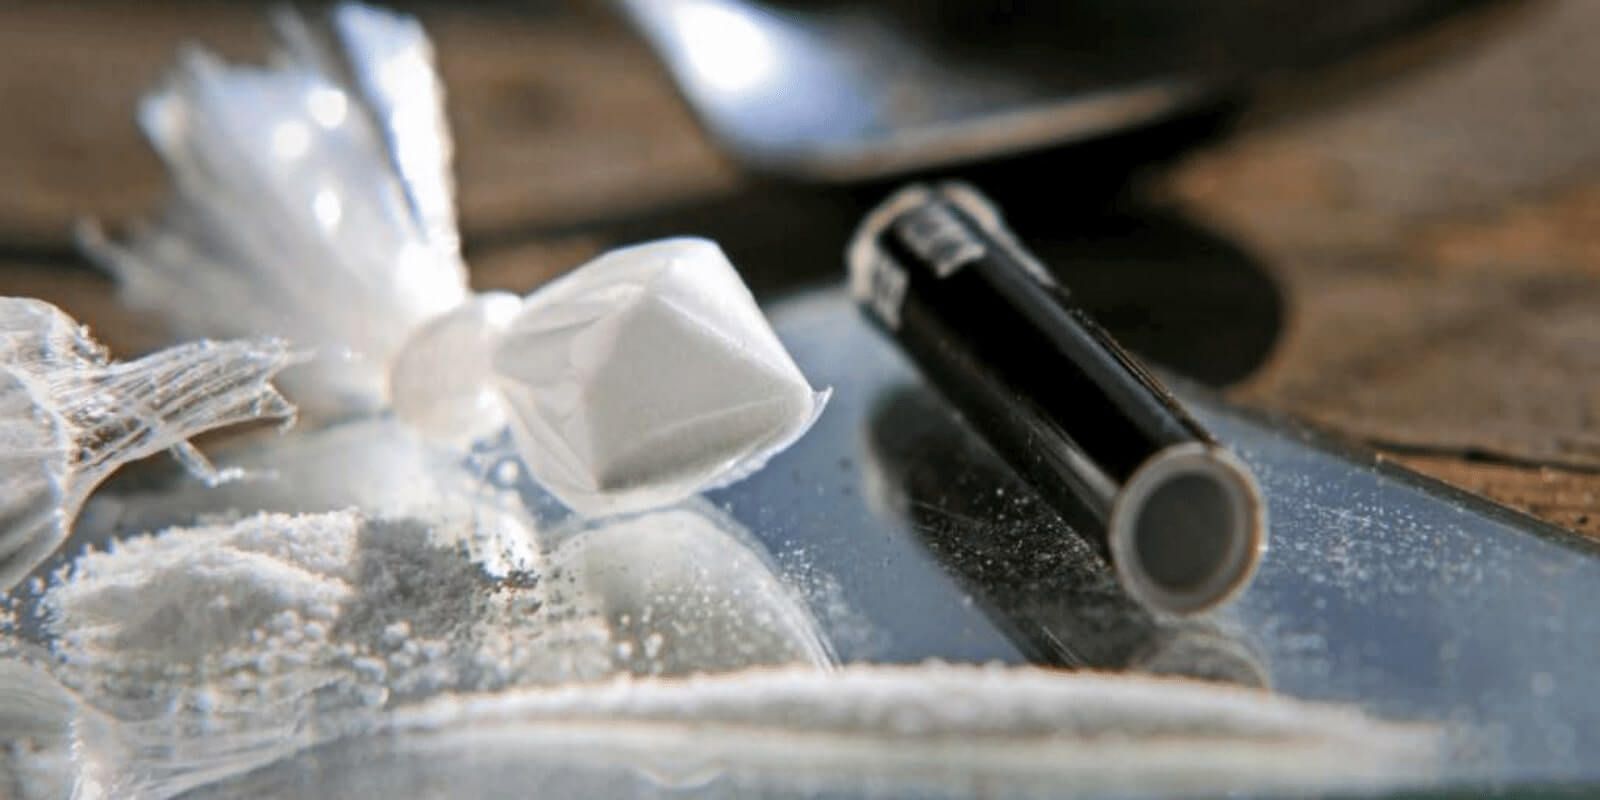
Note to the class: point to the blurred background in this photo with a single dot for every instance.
(1382, 218)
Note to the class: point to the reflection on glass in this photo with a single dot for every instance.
(1029, 571)
(686, 591)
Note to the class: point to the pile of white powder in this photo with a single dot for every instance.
(272, 609)
(273, 606)
(930, 730)
(227, 645)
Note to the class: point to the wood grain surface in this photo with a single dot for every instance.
(1430, 212)
(1436, 230)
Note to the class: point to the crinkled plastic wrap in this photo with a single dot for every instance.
(313, 201)
(303, 206)
(647, 375)
(69, 416)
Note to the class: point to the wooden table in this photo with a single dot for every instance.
(1429, 214)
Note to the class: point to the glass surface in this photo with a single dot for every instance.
(1380, 588)
(901, 538)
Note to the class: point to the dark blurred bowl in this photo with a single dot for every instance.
(825, 90)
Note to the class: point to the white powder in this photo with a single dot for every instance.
(929, 730)
(376, 464)
(935, 700)
(267, 610)
(222, 647)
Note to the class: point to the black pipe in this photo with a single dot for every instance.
(1071, 411)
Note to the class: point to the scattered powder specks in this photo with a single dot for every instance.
(683, 592)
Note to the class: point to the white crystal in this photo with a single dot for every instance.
(646, 375)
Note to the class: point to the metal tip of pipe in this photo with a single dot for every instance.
(1188, 529)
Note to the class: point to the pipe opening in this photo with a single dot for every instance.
(1187, 530)
(1184, 533)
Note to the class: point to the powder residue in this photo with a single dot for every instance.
(268, 609)
(218, 648)
(932, 730)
